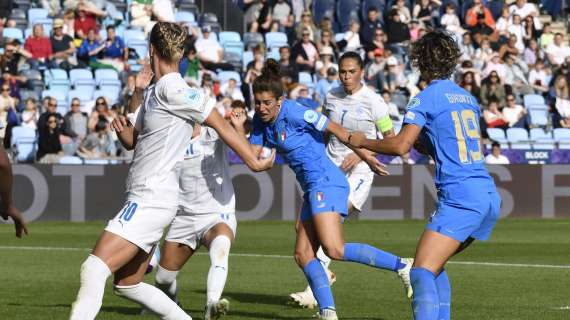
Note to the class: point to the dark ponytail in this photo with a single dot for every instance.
(269, 80)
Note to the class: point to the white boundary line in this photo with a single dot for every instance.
(276, 256)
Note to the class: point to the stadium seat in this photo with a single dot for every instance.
(83, 96)
(533, 99)
(225, 76)
(112, 89)
(338, 37)
(35, 14)
(132, 34)
(497, 134)
(306, 79)
(228, 36)
(274, 54)
(47, 23)
(542, 140)
(70, 160)
(23, 5)
(208, 17)
(111, 95)
(55, 74)
(76, 74)
(61, 85)
(496, 8)
(105, 74)
(251, 40)
(322, 8)
(185, 17)
(140, 46)
(32, 74)
(234, 46)
(562, 137)
(23, 144)
(27, 33)
(247, 57)
(275, 39)
(542, 107)
(347, 11)
(13, 33)
(518, 138)
(87, 86)
(96, 161)
(538, 117)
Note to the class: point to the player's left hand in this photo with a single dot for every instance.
(19, 223)
(238, 117)
(356, 139)
(119, 123)
(350, 162)
(376, 166)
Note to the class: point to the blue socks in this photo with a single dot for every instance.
(319, 282)
(366, 254)
(444, 291)
(425, 303)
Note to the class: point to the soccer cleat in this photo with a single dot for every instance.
(327, 314)
(305, 298)
(404, 275)
(217, 309)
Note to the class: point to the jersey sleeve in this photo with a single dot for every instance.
(381, 115)
(256, 136)
(185, 102)
(417, 111)
(136, 118)
(312, 120)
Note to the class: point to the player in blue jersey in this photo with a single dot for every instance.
(445, 118)
(297, 134)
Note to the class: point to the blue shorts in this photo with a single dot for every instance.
(475, 220)
(325, 199)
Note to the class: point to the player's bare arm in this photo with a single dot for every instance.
(239, 144)
(143, 80)
(397, 145)
(238, 118)
(8, 209)
(126, 132)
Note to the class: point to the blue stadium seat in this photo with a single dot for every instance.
(70, 160)
(47, 23)
(533, 99)
(112, 96)
(322, 8)
(305, 78)
(538, 117)
(36, 13)
(105, 74)
(84, 96)
(27, 33)
(541, 107)
(76, 74)
(346, 11)
(97, 161)
(13, 33)
(338, 37)
(496, 8)
(133, 34)
(275, 39)
(518, 138)
(497, 134)
(233, 46)
(252, 39)
(112, 88)
(225, 76)
(55, 74)
(229, 36)
(185, 17)
(140, 46)
(87, 86)
(62, 85)
(24, 144)
(542, 140)
(274, 54)
(247, 57)
(562, 137)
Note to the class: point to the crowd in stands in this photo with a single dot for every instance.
(68, 67)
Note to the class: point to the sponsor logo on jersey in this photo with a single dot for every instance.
(410, 115)
(414, 102)
(311, 116)
(192, 95)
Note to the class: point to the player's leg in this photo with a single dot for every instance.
(218, 240)
(110, 254)
(128, 284)
(173, 257)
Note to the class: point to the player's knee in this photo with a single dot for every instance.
(220, 251)
(126, 291)
(302, 258)
(92, 267)
(165, 276)
(335, 252)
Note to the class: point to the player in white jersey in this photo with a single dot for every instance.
(161, 134)
(206, 216)
(357, 108)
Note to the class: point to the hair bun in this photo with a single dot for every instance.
(271, 68)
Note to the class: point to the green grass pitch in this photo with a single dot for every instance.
(40, 280)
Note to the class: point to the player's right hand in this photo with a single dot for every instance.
(144, 77)
(19, 223)
(118, 124)
(376, 166)
(263, 164)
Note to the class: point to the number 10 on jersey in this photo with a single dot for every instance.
(470, 149)
(128, 211)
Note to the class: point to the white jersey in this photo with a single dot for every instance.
(363, 111)
(205, 183)
(164, 124)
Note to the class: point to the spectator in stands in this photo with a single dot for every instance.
(394, 75)
(327, 41)
(517, 29)
(90, 49)
(101, 111)
(515, 114)
(467, 48)
(482, 31)
(305, 53)
(39, 46)
(495, 157)
(397, 31)
(524, 9)
(326, 25)
(84, 22)
(209, 51)
(538, 78)
(377, 43)
(231, 90)
(510, 47)
(502, 25)
(7, 106)
(258, 57)
(547, 36)
(392, 107)
(30, 115)
(51, 109)
(492, 89)
(450, 20)
(468, 83)
(283, 14)
(305, 25)
(162, 10)
(288, 69)
(516, 75)
(557, 51)
(325, 84)
(190, 67)
(264, 18)
(49, 147)
(493, 117)
(560, 90)
(141, 13)
(530, 32)
(14, 83)
(483, 54)
(63, 47)
(76, 123)
(532, 53)
(495, 65)
(402, 8)
(352, 37)
(115, 53)
(370, 25)
(69, 23)
(375, 70)
(325, 62)
(99, 143)
(424, 11)
(13, 53)
(473, 13)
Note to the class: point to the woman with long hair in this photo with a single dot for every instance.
(445, 118)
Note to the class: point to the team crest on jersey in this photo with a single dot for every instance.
(414, 102)
(320, 196)
(192, 95)
(283, 136)
(311, 116)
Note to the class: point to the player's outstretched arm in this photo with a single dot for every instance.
(143, 80)
(238, 143)
(126, 133)
(8, 209)
(397, 145)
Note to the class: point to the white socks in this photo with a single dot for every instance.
(219, 253)
(324, 260)
(154, 300)
(165, 280)
(94, 274)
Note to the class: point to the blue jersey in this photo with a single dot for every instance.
(449, 118)
(297, 134)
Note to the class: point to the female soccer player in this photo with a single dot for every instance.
(446, 119)
(161, 134)
(357, 108)
(297, 133)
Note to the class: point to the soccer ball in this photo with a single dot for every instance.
(153, 261)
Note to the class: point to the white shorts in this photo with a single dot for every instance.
(189, 228)
(142, 224)
(360, 184)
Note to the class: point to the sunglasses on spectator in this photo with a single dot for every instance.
(510, 99)
(75, 105)
(52, 121)
(306, 34)
(379, 34)
(52, 104)
(5, 89)
(101, 103)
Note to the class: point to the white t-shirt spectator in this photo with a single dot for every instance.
(281, 12)
(352, 41)
(512, 114)
(534, 76)
(527, 9)
(208, 48)
(232, 93)
(501, 159)
(518, 30)
(558, 53)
